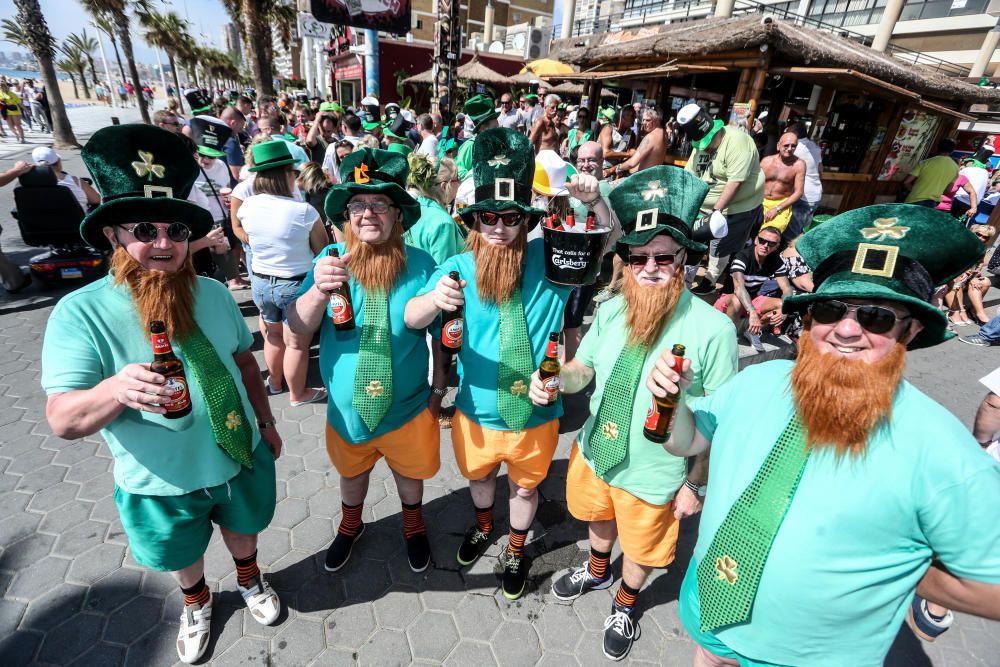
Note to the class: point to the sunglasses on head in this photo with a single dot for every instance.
(639, 260)
(146, 232)
(508, 218)
(767, 242)
(874, 319)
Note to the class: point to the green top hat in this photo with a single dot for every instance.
(198, 101)
(270, 155)
(897, 252)
(480, 108)
(372, 171)
(330, 106)
(144, 174)
(400, 124)
(658, 200)
(503, 170)
(210, 135)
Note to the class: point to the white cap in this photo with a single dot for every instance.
(687, 113)
(370, 100)
(45, 154)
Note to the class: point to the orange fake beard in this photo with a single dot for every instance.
(648, 308)
(376, 267)
(498, 267)
(842, 401)
(168, 297)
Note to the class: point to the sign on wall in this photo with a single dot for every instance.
(385, 15)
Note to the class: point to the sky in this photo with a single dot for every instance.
(205, 17)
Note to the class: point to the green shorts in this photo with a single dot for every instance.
(168, 533)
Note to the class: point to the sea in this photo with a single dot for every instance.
(28, 74)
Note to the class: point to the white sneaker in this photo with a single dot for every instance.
(192, 637)
(262, 601)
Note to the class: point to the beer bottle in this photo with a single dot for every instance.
(548, 372)
(341, 308)
(454, 325)
(661, 411)
(591, 221)
(570, 220)
(166, 363)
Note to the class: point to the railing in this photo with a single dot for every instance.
(678, 11)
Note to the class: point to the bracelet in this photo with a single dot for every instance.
(691, 485)
(439, 391)
(265, 424)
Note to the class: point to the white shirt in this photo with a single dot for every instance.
(809, 152)
(219, 175)
(279, 229)
(72, 183)
(244, 189)
(330, 165)
(511, 119)
(979, 179)
(428, 147)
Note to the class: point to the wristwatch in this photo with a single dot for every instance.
(264, 424)
(700, 491)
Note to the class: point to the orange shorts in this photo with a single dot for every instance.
(648, 532)
(528, 453)
(413, 450)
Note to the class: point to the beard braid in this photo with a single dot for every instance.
(376, 267)
(168, 297)
(842, 401)
(498, 268)
(648, 308)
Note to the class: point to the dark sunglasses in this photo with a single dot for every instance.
(874, 319)
(638, 261)
(509, 219)
(766, 242)
(146, 232)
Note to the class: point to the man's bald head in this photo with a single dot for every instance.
(787, 143)
(233, 118)
(590, 158)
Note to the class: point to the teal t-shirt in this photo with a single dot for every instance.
(648, 471)
(478, 360)
(859, 532)
(338, 354)
(436, 232)
(94, 332)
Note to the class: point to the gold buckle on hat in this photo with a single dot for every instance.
(871, 251)
(503, 189)
(645, 220)
(154, 191)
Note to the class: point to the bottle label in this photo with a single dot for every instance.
(553, 349)
(551, 385)
(179, 398)
(652, 416)
(451, 334)
(161, 343)
(340, 309)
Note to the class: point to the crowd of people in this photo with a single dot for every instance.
(411, 245)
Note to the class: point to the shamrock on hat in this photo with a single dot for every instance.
(372, 171)
(503, 171)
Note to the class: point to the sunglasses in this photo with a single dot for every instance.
(509, 219)
(357, 208)
(982, 237)
(874, 319)
(146, 232)
(766, 242)
(639, 261)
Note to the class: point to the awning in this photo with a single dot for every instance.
(665, 70)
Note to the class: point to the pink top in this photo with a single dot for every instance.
(949, 194)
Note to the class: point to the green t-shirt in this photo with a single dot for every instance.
(463, 158)
(436, 232)
(338, 354)
(648, 471)
(859, 532)
(933, 176)
(736, 160)
(478, 360)
(94, 332)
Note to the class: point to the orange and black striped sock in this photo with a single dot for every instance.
(246, 569)
(598, 565)
(484, 519)
(350, 519)
(625, 597)
(197, 594)
(413, 520)
(516, 545)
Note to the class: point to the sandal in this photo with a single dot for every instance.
(963, 322)
(271, 391)
(319, 393)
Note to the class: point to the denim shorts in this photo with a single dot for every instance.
(272, 297)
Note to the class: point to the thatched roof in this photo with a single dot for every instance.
(569, 88)
(474, 70)
(794, 43)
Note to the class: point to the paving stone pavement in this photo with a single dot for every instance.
(72, 594)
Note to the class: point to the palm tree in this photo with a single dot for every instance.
(117, 11)
(86, 45)
(168, 32)
(74, 58)
(105, 25)
(69, 67)
(254, 20)
(39, 39)
(13, 33)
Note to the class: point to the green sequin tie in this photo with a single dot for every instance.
(729, 573)
(516, 364)
(609, 434)
(229, 422)
(373, 374)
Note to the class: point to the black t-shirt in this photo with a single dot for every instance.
(754, 274)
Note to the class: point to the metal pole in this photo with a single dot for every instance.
(371, 63)
(322, 76)
(107, 70)
(163, 77)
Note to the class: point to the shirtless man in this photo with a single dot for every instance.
(784, 182)
(651, 149)
(544, 134)
(617, 140)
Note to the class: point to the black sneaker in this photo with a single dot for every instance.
(418, 552)
(573, 584)
(975, 339)
(473, 546)
(619, 633)
(340, 551)
(515, 576)
(703, 287)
